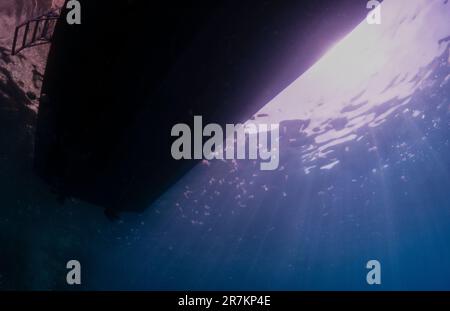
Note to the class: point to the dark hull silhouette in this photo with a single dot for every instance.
(116, 84)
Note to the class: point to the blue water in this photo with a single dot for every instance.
(230, 226)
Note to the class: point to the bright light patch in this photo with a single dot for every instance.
(371, 66)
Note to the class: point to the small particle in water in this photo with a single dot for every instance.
(309, 169)
(416, 113)
(330, 166)
(187, 194)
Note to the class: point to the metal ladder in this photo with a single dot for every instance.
(36, 31)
